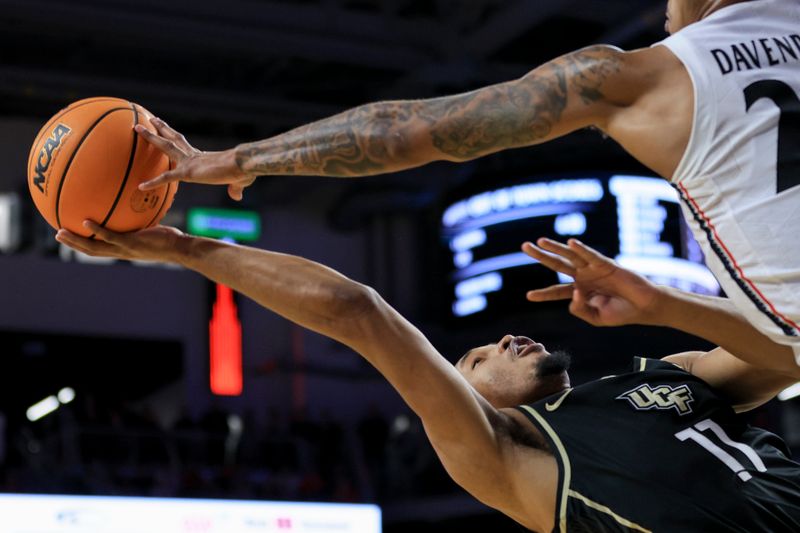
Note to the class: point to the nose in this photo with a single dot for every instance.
(504, 343)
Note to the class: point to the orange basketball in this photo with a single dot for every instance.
(87, 162)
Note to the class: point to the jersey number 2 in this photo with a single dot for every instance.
(695, 433)
(788, 127)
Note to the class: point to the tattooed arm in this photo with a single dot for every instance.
(583, 88)
(556, 98)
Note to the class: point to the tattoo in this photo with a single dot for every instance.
(389, 136)
(590, 68)
(365, 140)
(525, 111)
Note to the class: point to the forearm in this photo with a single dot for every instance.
(744, 385)
(558, 97)
(719, 321)
(370, 139)
(305, 292)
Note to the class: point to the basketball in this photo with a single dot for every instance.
(87, 163)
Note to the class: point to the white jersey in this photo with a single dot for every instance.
(740, 175)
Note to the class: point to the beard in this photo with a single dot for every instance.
(553, 364)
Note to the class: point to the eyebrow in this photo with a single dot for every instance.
(464, 357)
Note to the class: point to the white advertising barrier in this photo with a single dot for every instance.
(29, 513)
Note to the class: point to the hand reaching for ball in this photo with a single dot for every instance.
(160, 243)
(191, 164)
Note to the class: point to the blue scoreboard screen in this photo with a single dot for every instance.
(634, 219)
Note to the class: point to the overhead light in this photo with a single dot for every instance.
(401, 424)
(42, 408)
(66, 395)
(235, 424)
(789, 392)
(10, 222)
(50, 404)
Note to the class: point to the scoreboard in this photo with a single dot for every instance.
(634, 219)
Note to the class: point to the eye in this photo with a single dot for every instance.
(476, 362)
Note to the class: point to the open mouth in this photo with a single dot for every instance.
(523, 346)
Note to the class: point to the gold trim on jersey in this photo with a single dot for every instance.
(562, 510)
(603, 509)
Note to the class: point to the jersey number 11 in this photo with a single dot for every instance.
(695, 433)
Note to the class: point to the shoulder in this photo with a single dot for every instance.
(518, 476)
(647, 69)
(533, 471)
(613, 80)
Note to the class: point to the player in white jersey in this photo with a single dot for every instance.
(740, 172)
(715, 110)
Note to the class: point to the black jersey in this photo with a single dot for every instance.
(658, 450)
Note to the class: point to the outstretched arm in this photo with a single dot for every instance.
(470, 435)
(605, 294)
(556, 98)
(746, 386)
(576, 90)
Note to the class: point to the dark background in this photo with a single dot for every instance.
(132, 340)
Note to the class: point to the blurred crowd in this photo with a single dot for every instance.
(89, 447)
(83, 449)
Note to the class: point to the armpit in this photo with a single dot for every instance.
(519, 430)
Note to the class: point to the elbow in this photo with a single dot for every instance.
(391, 143)
(397, 145)
(410, 146)
(353, 308)
(396, 135)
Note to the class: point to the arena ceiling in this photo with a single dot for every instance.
(249, 68)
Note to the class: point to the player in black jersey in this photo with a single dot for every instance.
(659, 449)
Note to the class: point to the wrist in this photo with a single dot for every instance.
(229, 160)
(240, 158)
(678, 309)
(663, 308)
(183, 250)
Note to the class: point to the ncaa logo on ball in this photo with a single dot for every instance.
(41, 178)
